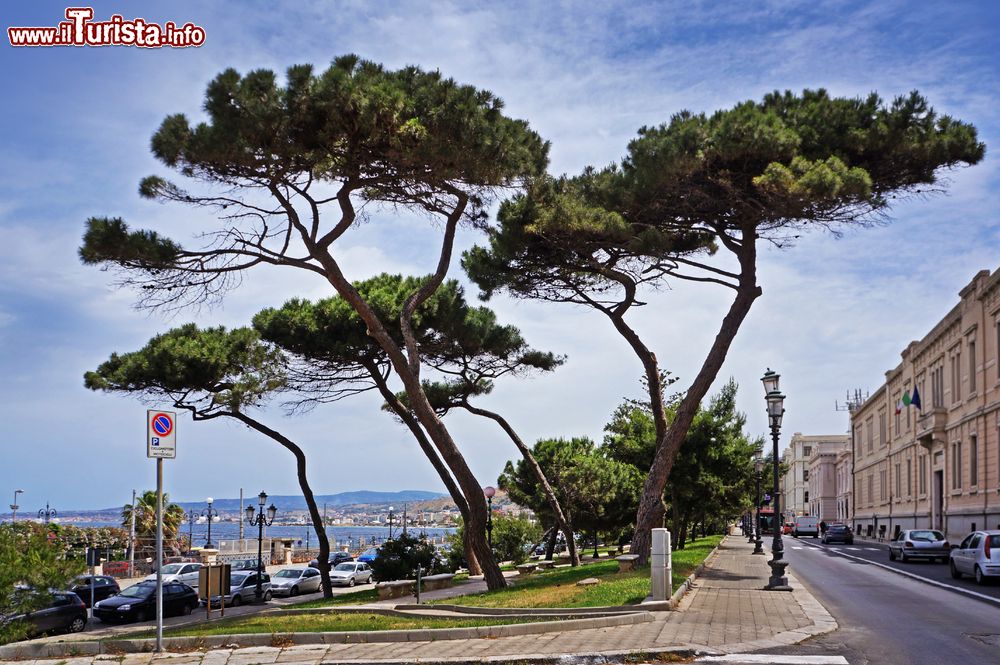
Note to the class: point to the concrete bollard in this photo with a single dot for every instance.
(660, 566)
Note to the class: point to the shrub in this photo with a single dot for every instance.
(398, 559)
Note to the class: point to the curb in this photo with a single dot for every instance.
(96, 647)
(608, 610)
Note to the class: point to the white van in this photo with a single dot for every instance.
(806, 525)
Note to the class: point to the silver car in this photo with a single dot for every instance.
(919, 544)
(978, 555)
(243, 589)
(178, 572)
(350, 573)
(293, 581)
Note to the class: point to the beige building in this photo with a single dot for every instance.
(822, 485)
(796, 495)
(937, 464)
(844, 473)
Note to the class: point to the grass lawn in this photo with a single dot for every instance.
(557, 588)
(363, 597)
(323, 623)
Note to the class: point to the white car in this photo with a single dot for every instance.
(978, 555)
(293, 581)
(179, 572)
(350, 573)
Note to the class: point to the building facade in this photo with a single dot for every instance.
(822, 487)
(796, 495)
(843, 470)
(926, 444)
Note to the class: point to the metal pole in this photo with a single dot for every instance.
(241, 516)
(259, 591)
(159, 555)
(778, 581)
(489, 523)
(757, 540)
(131, 540)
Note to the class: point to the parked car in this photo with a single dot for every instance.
(978, 555)
(806, 525)
(243, 564)
(919, 544)
(293, 581)
(368, 555)
(178, 572)
(351, 573)
(839, 533)
(138, 602)
(243, 589)
(335, 558)
(104, 587)
(64, 612)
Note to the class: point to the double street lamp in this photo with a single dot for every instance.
(260, 521)
(210, 513)
(46, 514)
(192, 515)
(489, 492)
(775, 410)
(14, 506)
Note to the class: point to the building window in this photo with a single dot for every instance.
(871, 489)
(882, 485)
(972, 366)
(922, 475)
(896, 418)
(806, 497)
(899, 484)
(973, 461)
(956, 377)
(937, 386)
(806, 452)
(805, 475)
(909, 477)
(882, 438)
(956, 465)
(870, 426)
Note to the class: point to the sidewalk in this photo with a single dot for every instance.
(726, 612)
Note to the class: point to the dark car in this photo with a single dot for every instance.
(64, 612)
(104, 587)
(138, 602)
(335, 558)
(839, 533)
(243, 564)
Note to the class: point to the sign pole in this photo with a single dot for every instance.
(159, 555)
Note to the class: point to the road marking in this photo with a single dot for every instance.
(774, 659)
(873, 549)
(853, 549)
(798, 547)
(926, 580)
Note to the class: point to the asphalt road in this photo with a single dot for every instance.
(889, 619)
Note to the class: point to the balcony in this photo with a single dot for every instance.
(931, 426)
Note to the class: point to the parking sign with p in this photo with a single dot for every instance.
(161, 434)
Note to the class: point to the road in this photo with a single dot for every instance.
(889, 619)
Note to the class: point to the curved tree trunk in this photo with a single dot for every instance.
(550, 546)
(300, 466)
(536, 468)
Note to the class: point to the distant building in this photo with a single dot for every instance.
(795, 484)
(935, 461)
(843, 471)
(822, 466)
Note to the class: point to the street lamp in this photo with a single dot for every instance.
(490, 492)
(775, 410)
(390, 522)
(192, 515)
(14, 506)
(211, 513)
(46, 514)
(260, 521)
(758, 464)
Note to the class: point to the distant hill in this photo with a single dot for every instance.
(297, 502)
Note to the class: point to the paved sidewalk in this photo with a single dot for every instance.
(726, 612)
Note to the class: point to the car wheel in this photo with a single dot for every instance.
(237, 599)
(980, 578)
(903, 557)
(955, 573)
(892, 554)
(187, 609)
(294, 591)
(77, 625)
(267, 596)
(140, 616)
(351, 582)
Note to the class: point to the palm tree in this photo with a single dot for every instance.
(145, 522)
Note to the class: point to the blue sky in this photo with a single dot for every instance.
(834, 316)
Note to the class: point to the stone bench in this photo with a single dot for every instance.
(395, 589)
(527, 568)
(627, 562)
(545, 565)
(432, 582)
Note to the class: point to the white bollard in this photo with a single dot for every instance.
(660, 580)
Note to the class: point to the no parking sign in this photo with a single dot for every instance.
(161, 434)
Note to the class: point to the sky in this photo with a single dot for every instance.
(834, 315)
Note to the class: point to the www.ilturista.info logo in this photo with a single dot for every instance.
(81, 30)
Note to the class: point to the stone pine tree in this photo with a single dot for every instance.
(211, 373)
(290, 169)
(702, 185)
(466, 345)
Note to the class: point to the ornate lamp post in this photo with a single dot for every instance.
(14, 506)
(210, 513)
(46, 514)
(775, 410)
(192, 515)
(758, 464)
(260, 521)
(390, 522)
(489, 492)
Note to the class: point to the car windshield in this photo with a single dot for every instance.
(345, 566)
(138, 591)
(926, 536)
(236, 579)
(289, 572)
(172, 568)
(838, 527)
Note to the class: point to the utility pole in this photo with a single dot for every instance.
(131, 540)
(241, 521)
